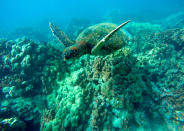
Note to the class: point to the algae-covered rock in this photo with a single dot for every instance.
(93, 87)
(12, 124)
(162, 54)
(142, 35)
(21, 86)
(173, 37)
(175, 20)
(137, 28)
(137, 87)
(85, 93)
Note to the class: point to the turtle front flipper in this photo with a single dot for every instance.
(101, 43)
(60, 35)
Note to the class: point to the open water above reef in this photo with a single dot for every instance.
(139, 86)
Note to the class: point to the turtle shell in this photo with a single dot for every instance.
(93, 34)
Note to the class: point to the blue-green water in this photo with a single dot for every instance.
(21, 13)
(55, 77)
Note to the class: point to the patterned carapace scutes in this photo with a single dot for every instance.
(99, 39)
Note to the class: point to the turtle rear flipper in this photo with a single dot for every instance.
(60, 35)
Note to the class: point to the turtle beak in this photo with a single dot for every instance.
(64, 59)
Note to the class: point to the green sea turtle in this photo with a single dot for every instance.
(99, 39)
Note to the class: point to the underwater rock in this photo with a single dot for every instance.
(162, 54)
(96, 85)
(36, 33)
(139, 86)
(174, 37)
(141, 35)
(142, 28)
(21, 86)
(12, 124)
(174, 21)
(117, 123)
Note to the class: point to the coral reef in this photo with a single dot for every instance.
(162, 54)
(35, 33)
(138, 87)
(12, 124)
(174, 21)
(99, 96)
(21, 86)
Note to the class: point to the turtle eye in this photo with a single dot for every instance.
(70, 53)
(75, 51)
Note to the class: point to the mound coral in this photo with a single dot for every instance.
(139, 86)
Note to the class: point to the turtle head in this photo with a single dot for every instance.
(70, 52)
